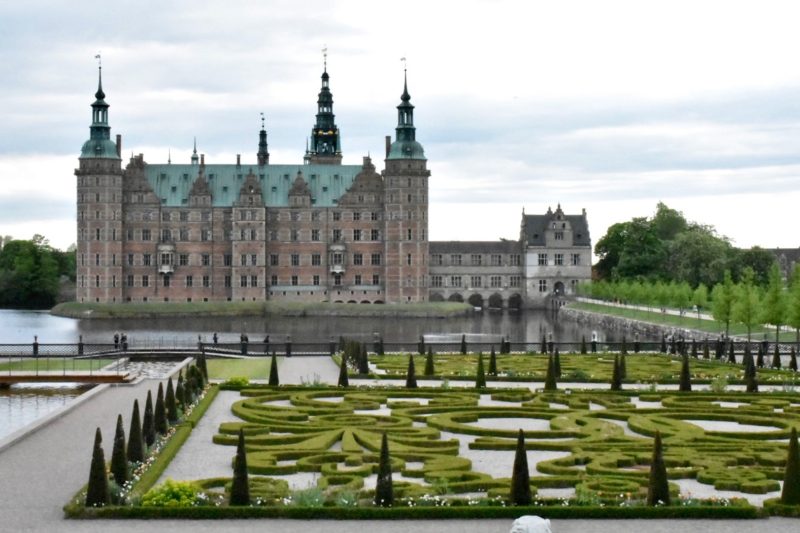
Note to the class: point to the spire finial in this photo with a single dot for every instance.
(169, 156)
(99, 94)
(262, 120)
(405, 96)
(195, 146)
(325, 58)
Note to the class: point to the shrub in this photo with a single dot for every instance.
(363, 361)
(616, 376)
(624, 346)
(583, 344)
(235, 383)
(751, 381)
(240, 488)
(429, 370)
(344, 381)
(793, 359)
(520, 476)
(201, 365)
(463, 344)
(760, 359)
(119, 463)
(135, 439)
(706, 351)
(148, 424)
(732, 353)
(557, 364)
(685, 380)
(658, 486)
(790, 495)
(180, 393)
(274, 380)
(492, 363)
(776, 357)
(160, 413)
(384, 492)
(480, 375)
(411, 374)
(172, 494)
(550, 382)
(169, 400)
(623, 367)
(97, 494)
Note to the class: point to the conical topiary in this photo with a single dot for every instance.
(240, 486)
(274, 380)
(658, 486)
(776, 357)
(623, 349)
(149, 423)
(550, 381)
(384, 492)
(706, 350)
(492, 363)
(583, 344)
(119, 462)
(344, 380)
(520, 476)
(160, 412)
(97, 494)
(623, 367)
(686, 379)
(169, 401)
(463, 345)
(429, 370)
(694, 348)
(557, 364)
(663, 348)
(616, 376)
(543, 348)
(135, 450)
(202, 366)
(760, 358)
(732, 352)
(411, 374)
(363, 361)
(480, 374)
(793, 359)
(790, 494)
(180, 395)
(751, 381)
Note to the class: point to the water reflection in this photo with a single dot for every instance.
(21, 404)
(529, 326)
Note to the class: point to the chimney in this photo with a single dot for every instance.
(388, 145)
(119, 146)
(203, 160)
(238, 160)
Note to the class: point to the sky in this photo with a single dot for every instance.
(607, 106)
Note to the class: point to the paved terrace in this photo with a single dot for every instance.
(42, 470)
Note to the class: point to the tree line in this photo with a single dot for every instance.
(667, 247)
(31, 272)
(745, 302)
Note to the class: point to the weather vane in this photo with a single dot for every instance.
(405, 62)
(262, 120)
(325, 56)
(99, 60)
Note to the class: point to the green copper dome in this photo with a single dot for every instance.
(405, 145)
(99, 144)
(406, 150)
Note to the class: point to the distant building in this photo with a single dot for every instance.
(313, 232)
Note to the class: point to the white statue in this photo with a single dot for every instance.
(530, 524)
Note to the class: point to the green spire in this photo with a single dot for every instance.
(99, 144)
(325, 134)
(195, 158)
(263, 154)
(405, 145)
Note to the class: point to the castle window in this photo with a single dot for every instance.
(455, 259)
(337, 235)
(436, 259)
(227, 281)
(357, 215)
(273, 259)
(189, 281)
(184, 216)
(146, 259)
(273, 280)
(314, 234)
(337, 216)
(96, 259)
(496, 260)
(166, 281)
(375, 235)
(436, 281)
(455, 281)
(408, 259)
(356, 234)
(253, 259)
(254, 281)
(97, 234)
(374, 215)
(130, 280)
(576, 259)
(559, 259)
(205, 259)
(316, 259)
(358, 259)
(375, 259)
(337, 279)
(476, 281)
(145, 234)
(542, 285)
(295, 235)
(183, 259)
(495, 281)
(206, 281)
(227, 260)
(243, 260)
(376, 279)
(515, 281)
(357, 279)
(409, 234)
(515, 259)
(476, 259)
(559, 235)
(542, 259)
(295, 258)
(294, 280)
(243, 281)
(145, 281)
(315, 280)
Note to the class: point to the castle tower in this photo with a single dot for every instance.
(406, 210)
(263, 153)
(325, 148)
(99, 254)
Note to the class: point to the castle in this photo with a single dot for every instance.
(312, 232)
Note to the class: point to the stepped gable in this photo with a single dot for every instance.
(367, 186)
(534, 227)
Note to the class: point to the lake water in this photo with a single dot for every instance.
(21, 404)
(529, 326)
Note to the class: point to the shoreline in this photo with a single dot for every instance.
(259, 309)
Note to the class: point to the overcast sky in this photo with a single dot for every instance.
(610, 106)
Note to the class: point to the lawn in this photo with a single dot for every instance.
(55, 363)
(250, 368)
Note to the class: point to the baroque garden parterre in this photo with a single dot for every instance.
(451, 446)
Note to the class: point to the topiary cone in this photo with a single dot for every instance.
(411, 374)
(274, 380)
(429, 370)
(616, 376)
(97, 494)
(148, 423)
(344, 380)
(550, 382)
(135, 438)
(686, 379)
(240, 486)
(520, 476)
(480, 375)
(658, 486)
(776, 357)
(384, 491)
(160, 413)
(492, 363)
(119, 463)
(557, 364)
(171, 404)
(790, 494)
(793, 359)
